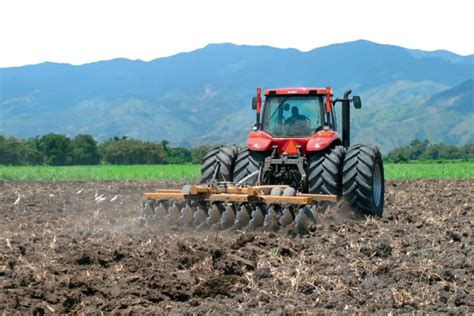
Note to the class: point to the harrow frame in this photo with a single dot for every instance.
(227, 192)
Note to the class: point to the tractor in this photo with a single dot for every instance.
(294, 158)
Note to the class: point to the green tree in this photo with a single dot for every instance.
(432, 152)
(130, 151)
(84, 150)
(164, 143)
(178, 155)
(450, 152)
(417, 148)
(468, 151)
(56, 149)
(31, 153)
(18, 152)
(198, 153)
(9, 151)
(425, 150)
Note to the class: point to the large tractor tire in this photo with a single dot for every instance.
(325, 171)
(224, 156)
(247, 162)
(363, 179)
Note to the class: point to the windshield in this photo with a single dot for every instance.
(293, 115)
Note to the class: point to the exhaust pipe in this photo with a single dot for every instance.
(346, 119)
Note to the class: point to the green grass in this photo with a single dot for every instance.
(429, 170)
(418, 170)
(102, 172)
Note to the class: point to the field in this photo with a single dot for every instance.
(62, 252)
(102, 172)
(445, 170)
(430, 170)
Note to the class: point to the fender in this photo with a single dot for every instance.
(322, 140)
(259, 141)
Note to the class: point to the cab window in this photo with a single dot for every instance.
(294, 116)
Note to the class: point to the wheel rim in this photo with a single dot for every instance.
(377, 192)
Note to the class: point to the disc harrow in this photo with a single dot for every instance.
(229, 207)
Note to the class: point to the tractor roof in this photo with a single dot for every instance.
(297, 91)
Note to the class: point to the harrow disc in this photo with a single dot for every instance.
(258, 218)
(215, 213)
(303, 219)
(271, 219)
(186, 218)
(228, 217)
(161, 211)
(242, 218)
(287, 217)
(199, 216)
(173, 214)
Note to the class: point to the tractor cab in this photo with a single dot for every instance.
(299, 120)
(296, 112)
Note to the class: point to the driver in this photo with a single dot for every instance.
(295, 117)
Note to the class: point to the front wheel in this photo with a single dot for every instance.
(363, 179)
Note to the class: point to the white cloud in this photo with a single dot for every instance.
(79, 31)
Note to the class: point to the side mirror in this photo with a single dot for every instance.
(357, 102)
(254, 103)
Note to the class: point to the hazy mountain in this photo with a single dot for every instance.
(446, 117)
(443, 54)
(204, 95)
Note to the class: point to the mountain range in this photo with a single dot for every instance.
(204, 96)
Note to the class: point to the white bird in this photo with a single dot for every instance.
(114, 198)
(100, 199)
(96, 194)
(17, 201)
(51, 195)
(80, 191)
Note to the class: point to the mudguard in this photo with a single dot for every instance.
(259, 141)
(322, 140)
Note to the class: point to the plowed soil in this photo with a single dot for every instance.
(62, 252)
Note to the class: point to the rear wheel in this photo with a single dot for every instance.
(363, 179)
(226, 156)
(325, 171)
(247, 163)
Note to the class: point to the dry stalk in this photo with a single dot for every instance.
(9, 245)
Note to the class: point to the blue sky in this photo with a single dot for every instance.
(80, 31)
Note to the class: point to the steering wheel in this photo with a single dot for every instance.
(328, 125)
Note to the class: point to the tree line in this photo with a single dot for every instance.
(425, 150)
(61, 150)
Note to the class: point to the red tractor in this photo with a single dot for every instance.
(294, 161)
(295, 142)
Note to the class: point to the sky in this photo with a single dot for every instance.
(82, 31)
